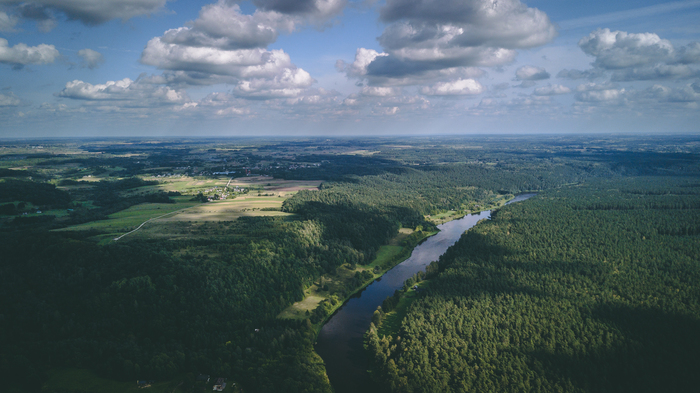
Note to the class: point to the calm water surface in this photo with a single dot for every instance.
(340, 340)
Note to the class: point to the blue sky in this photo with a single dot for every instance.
(338, 67)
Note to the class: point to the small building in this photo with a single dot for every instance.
(220, 384)
(203, 378)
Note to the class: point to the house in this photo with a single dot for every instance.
(220, 384)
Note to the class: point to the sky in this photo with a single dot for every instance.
(103, 68)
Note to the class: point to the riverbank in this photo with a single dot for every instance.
(389, 321)
(340, 342)
(390, 255)
(493, 203)
(329, 287)
(325, 296)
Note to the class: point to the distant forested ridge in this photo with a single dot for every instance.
(591, 288)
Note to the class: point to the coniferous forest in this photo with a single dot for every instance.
(586, 288)
(164, 261)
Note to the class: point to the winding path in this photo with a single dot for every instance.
(144, 223)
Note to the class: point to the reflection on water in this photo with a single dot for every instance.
(340, 339)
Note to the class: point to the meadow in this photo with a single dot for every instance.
(257, 197)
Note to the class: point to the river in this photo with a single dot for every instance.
(340, 340)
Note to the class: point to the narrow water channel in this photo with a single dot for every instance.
(340, 340)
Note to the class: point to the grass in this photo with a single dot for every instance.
(85, 381)
(385, 255)
(185, 210)
(391, 324)
(388, 256)
(443, 217)
(187, 185)
(128, 219)
(449, 215)
(230, 209)
(298, 310)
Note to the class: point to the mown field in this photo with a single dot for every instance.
(263, 197)
(230, 209)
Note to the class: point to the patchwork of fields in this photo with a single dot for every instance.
(247, 196)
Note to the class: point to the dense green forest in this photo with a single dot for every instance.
(154, 309)
(588, 288)
(205, 298)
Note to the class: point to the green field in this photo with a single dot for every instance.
(230, 209)
(298, 310)
(187, 185)
(128, 219)
(269, 203)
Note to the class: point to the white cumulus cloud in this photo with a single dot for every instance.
(531, 73)
(596, 93)
(452, 88)
(619, 49)
(552, 90)
(290, 82)
(131, 93)
(438, 45)
(642, 56)
(21, 54)
(224, 26)
(223, 45)
(374, 91)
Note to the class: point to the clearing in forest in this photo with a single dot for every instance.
(230, 209)
(328, 285)
(264, 197)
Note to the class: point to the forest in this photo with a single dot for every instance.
(587, 288)
(562, 287)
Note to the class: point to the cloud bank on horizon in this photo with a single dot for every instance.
(263, 66)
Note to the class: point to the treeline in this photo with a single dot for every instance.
(107, 197)
(412, 192)
(44, 195)
(546, 297)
